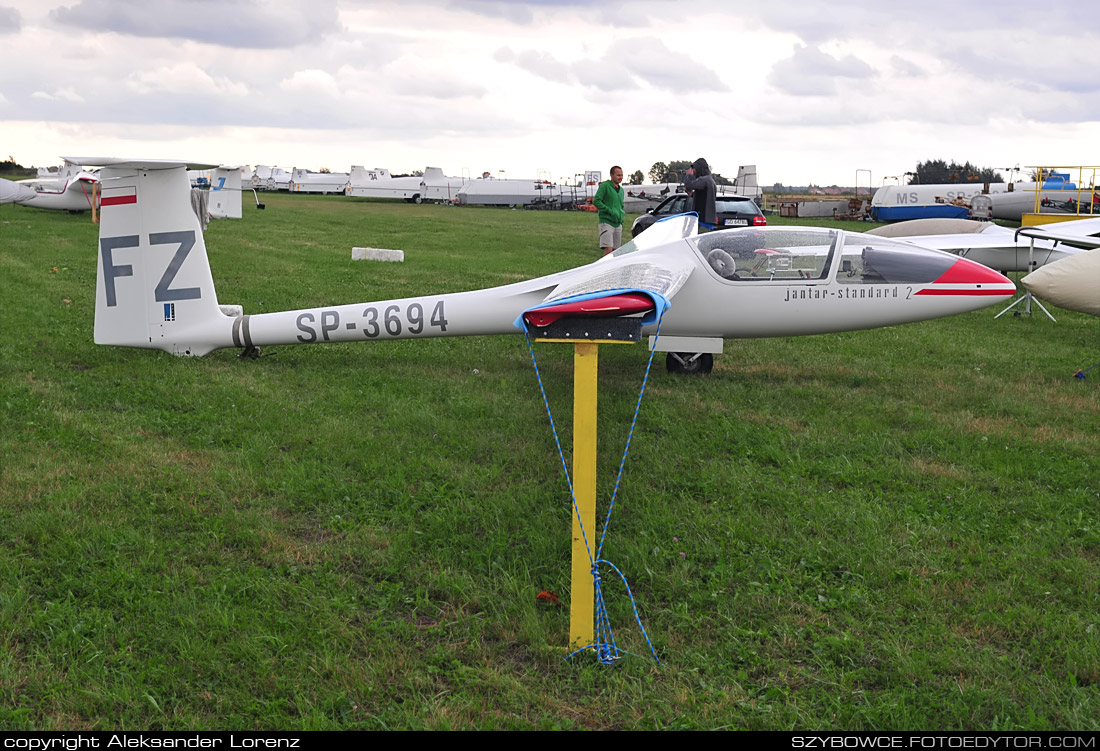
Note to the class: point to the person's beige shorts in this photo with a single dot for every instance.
(610, 237)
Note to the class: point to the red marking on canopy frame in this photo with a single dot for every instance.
(603, 307)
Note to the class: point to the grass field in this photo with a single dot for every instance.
(892, 529)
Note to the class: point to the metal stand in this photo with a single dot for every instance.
(1027, 297)
(586, 336)
(582, 613)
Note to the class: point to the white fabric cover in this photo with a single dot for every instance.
(1072, 283)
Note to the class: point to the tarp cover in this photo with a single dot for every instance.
(660, 304)
(1072, 283)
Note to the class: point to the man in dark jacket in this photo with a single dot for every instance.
(700, 186)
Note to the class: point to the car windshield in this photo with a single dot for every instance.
(674, 205)
(663, 231)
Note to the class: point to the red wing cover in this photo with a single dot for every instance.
(598, 307)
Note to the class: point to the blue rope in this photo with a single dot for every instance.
(607, 651)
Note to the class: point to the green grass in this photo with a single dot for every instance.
(895, 529)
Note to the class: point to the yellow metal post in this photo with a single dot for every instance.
(582, 590)
(582, 598)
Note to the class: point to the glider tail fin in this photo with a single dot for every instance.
(154, 289)
(225, 193)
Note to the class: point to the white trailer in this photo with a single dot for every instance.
(378, 183)
(435, 186)
(491, 192)
(304, 181)
(270, 178)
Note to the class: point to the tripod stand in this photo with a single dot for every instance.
(1027, 297)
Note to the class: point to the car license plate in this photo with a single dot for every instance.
(736, 223)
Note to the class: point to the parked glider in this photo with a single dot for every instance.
(992, 245)
(70, 190)
(1072, 283)
(13, 192)
(155, 290)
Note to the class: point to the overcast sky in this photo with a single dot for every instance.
(807, 90)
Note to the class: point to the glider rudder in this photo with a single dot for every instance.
(154, 289)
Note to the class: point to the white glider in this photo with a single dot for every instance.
(1072, 283)
(72, 190)
(992, 245)
(13, 192)
(155, 290)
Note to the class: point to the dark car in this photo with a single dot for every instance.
(731, 211)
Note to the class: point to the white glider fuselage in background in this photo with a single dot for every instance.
(990, 244)
(1074, 282)
(155, 289)
(14, 192)
(70, 190)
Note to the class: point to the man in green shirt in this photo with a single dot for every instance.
(609, 203)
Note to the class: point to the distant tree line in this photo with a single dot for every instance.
(10, 165)
(671, 172)
(939, 172)
(931, 172)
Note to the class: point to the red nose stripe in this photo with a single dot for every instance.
(986, 281)
(967, 292)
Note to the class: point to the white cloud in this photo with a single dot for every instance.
(311, 81)
(906, 68)
(544, 65)
(623, 67)
(10, 20)
(67, 94)
(650, 59)
(607, 76)
(185, 79)
(410, 82)
(515, 12)
(811, 72)
(262, 24)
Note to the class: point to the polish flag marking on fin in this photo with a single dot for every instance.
(118, 196)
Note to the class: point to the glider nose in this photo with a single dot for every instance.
(970, 279)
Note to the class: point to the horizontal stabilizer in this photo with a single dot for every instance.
(146, 164)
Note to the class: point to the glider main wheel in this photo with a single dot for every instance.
(689, 363)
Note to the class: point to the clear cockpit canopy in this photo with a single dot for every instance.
(662, 232)
(813, 253)
(763, 253)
